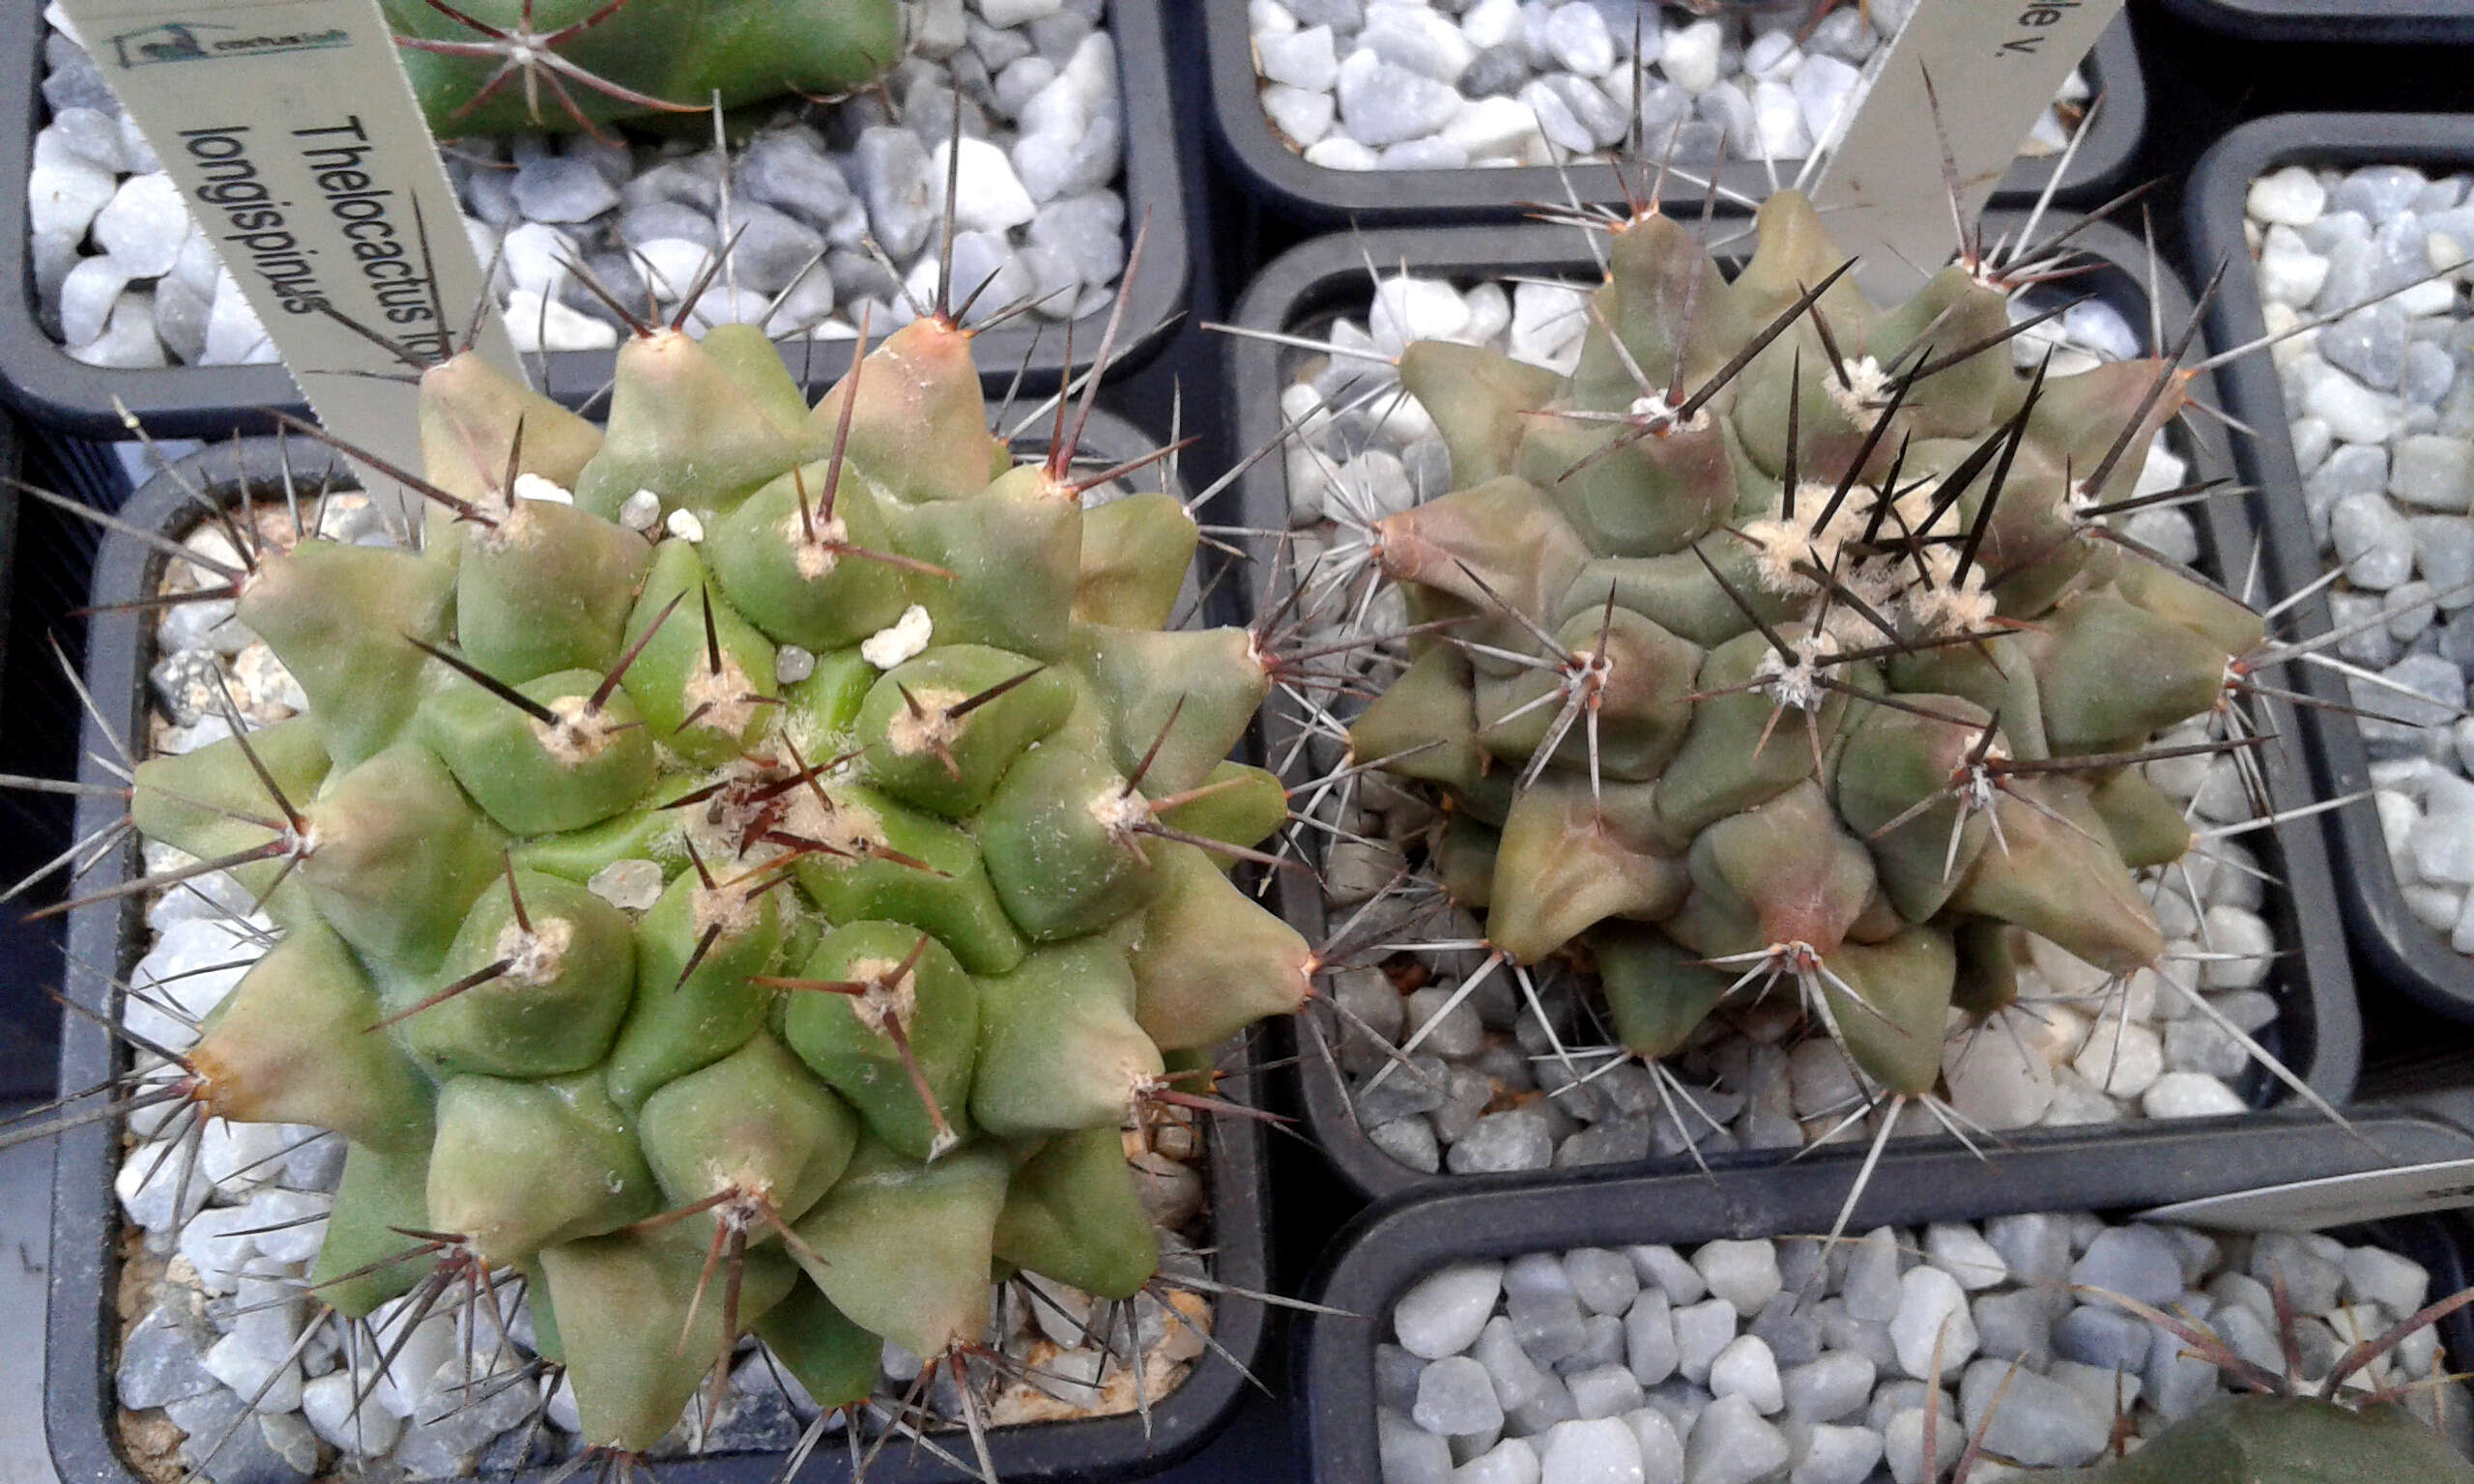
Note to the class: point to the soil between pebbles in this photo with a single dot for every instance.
(125, 278)
(1495, 1095)
(2383, 424)
(210, 1297)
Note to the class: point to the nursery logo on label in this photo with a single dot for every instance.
(184, 40)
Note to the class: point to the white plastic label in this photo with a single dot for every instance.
(1994, 66)
(2339, 1200)
(294, 137)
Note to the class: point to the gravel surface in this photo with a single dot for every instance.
(1736, 1361)
(2383, 432)
(125, 278)
(233, 1217)
(1495, 1091)
(1440, 84)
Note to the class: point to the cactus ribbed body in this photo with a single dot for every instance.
(1784, 640)
(622, 932)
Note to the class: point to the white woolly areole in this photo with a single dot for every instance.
(1948, 606)
(1794, 685)
(629, 885)
(536, 957)
(1653, 407)
(577, 736)
(899, 639)
(933, 727)
(641, 511)
(814, 557)
(532, 486)
(1866, 388)
(685, 525)
(1119, 811)
(886, 998)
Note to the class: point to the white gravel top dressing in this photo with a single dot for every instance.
(1736, 1361)
(1496, 1093)
(1441, 85)
(125, 278)
(2382, 402)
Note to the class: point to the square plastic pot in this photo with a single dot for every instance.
(2318, 1032)
(2408, 955)
(1285, 184)
(81, 1411)
(2394, 22)
(38, 376)
(1396, 1244)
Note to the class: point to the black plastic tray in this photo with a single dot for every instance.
(2318, 1032)
(40, 379)
(2392, 22)
(2407, 954)
(1289, 186)
(83, 1332)
(1399, 1241)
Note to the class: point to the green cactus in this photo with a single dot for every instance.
(2284, 1440)
(1785, 643)
(494, 66)
(2357, 1425)
(818, 868)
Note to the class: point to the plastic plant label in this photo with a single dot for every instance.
(2337, 1200)
(1987, 70)
(293, 135)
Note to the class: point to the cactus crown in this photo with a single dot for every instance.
(754, 832)
(1786, 642)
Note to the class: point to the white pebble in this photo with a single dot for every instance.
(1442, 1314)
(537, 324)
(1838, 1455)
(1746, 1368)
(2121, 1057)
(630, 885)
(326, 1403)
(2190, 1094)
(1732, 1444)
(1960, 1250)
(1602, 1450)
(1744, 1273)
(1932, 1307)
(144, 226)
(1305, 117)
(2291, 196)
(1341, 153)
(899, 639)
(1492, 129)
(254, 1370)
(1408, 309)
(532, 486)
(1690, 59)
(685, 524)
(640, 511)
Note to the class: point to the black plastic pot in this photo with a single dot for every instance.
(1397, 1242)
(80, 1409)
(38, 376)
(1288, 185)
(2408, 955)
(2396, 23)
(2318, 1032)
